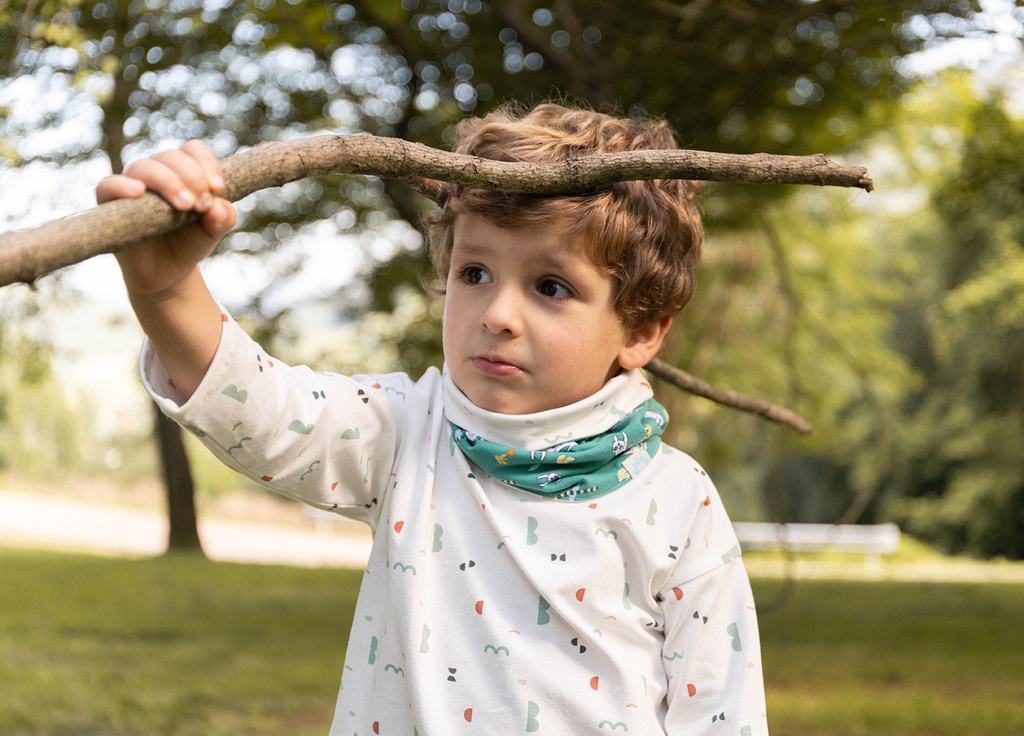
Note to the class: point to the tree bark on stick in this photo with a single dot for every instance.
(30, 254)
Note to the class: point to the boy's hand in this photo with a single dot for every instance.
(189, 178)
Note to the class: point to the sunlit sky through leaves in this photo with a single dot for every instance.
(62, 116)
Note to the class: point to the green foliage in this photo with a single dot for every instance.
(797, 311)
(40, 434)
(791, 76)
(742, 79)
(39, 431)
(961, 482)
(895, 322)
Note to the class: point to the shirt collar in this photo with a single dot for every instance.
(588, 417)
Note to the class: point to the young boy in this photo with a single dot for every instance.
(541, 562)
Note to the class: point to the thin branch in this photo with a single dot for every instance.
(792, 305)
(24, 29)
(726, 397)
(27, 255)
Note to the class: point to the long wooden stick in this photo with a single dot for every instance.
(30, 254)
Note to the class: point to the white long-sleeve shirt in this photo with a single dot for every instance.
(486, 609)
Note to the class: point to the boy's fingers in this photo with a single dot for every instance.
(118, 186)
(161, 174)
(207, 161)
(191, 175)
(187, 177)
(200, 238)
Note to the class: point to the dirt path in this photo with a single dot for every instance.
(84, 526)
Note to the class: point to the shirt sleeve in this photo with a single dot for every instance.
(712, 651)
(323, 439)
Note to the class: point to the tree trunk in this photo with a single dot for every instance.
(183, 534)
(183, 531)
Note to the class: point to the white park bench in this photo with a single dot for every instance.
(871, 540)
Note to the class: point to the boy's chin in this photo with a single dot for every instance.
(517, 403)
(509, 406)
(505, 401)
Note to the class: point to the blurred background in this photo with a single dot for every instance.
(893, 321)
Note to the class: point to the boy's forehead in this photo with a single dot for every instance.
(549, 243)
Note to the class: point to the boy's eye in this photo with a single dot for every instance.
(554, 289)
(475, 275)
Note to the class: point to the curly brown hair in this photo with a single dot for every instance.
(646, 234)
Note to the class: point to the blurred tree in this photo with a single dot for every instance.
(960, 482)
(899, 322)
(39, 432)
(147, 74)
(786, 77)
(798, 307)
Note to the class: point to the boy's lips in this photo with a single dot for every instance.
(494, 366)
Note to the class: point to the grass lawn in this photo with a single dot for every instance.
(181, 646)
(176, 646)
(851, 658)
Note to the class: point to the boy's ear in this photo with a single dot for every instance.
(643, 344)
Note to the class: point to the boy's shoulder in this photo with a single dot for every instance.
(677, 486)
(681, 459)
(411, 402)
(401, 389)
(677, 473)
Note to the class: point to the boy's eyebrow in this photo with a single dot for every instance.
(563, 259)
(471, 248)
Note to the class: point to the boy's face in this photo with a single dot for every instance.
(529, 320)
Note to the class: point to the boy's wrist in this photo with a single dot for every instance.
(142, 295)
(176, 304)
(183, 324)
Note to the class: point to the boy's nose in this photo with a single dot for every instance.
(503, 312)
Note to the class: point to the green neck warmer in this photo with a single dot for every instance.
(576, 470)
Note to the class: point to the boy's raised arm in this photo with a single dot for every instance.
(166, 290)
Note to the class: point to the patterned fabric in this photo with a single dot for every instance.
(576, 470)
(483, 609)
